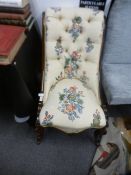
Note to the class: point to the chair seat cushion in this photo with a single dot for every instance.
(117, 84)
(72, 108)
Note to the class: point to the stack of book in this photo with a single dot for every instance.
(16, 12)
(11, 40)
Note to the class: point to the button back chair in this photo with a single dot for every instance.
(72, 49)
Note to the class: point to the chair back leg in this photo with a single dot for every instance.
(38, 128)
(98, 135)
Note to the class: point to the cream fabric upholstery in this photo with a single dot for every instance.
(62, 113)
(73, 41)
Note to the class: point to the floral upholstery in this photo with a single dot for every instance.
(73, 42)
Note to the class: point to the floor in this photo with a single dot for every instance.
(58, 154)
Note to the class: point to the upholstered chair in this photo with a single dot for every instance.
(73, 43)
(116, 60)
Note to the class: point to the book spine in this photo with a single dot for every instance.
(28, 19)
(13, 22)
(13, 16)
(4, 61)
(29, 26)
(11, 3)
(14, 9)
(6, 10)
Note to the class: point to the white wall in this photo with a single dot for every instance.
(38, 6)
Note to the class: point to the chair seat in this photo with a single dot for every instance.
(72, 108)
(117, 83)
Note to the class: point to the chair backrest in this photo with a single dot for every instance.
(73, 42)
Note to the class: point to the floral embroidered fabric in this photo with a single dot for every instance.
(71, 107)
(58, 47)
(89, 46)
(70, 102)
(71, 64)
(96, 119)
(47, 119)
(76, 28)
(72, 53)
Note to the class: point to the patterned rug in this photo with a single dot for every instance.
(110, 157)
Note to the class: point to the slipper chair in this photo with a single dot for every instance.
(72, 49)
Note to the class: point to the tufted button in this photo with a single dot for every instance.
(89, 19)
(80, 50)
(66, 29)
(58, 58)
(86, 59)
(66, 50)
(59, 40)
(60, 17)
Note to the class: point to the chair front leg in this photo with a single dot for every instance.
(98, 135)
(38, 128)
(102, 131)
(39, 132)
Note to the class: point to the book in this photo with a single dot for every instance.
(15, 10)
(29, 26)
(14, 3)
(95, 4)
(15, 22)
(15, 16)
(11, 39)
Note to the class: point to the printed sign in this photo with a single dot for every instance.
(95, 4)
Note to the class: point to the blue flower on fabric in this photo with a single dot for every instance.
(58, 47)
(47, 119)
(70, 102)
(76, 28)
(89, 46)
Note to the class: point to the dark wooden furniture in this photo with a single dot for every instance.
(20, 81)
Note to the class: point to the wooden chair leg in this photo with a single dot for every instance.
(100, 132)
(98, 135)
(38, 128)
(39, 132)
